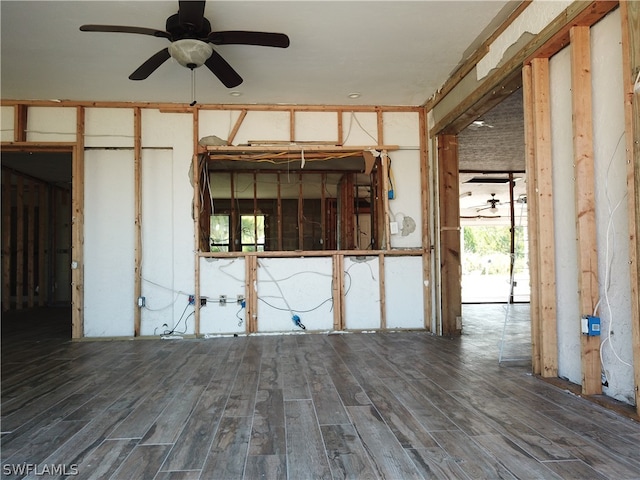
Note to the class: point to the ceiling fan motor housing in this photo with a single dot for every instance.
(179, 30)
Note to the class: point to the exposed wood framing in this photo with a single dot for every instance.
(77, 229)
(21, 113)
(347, 235)
(544, 202)
(279, 207)
(300, 213)
(409, 252)
(252, 292)
(587, 245)
(137, 181)
(384, 164)
(30, 199)
(292, 125)
(630, 18)
(19, 242)
(197, 174)
(6, 239)
(43, 235)
(426, 217)
(383, 293)
(311, 149)
(338, 291)
(236, 127)
(450, 261)
(582, 14)
(323, 209)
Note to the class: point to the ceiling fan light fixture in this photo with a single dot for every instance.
(190, 52)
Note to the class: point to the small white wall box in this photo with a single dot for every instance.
(590, 325)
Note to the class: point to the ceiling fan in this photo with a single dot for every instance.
(492, 202)
(191, 38)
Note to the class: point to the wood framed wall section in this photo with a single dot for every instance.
(532, 220)
(587, 245)
(77, 229)
(137, 181)
(6, 240)
(542, 168)
(534, 58)
(450, 261)
(337, 256)
(630, 18)
(77, 150)
(32, 193)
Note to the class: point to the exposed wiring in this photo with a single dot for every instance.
(173, 330)
(609, 257)
(360, 261)
(351, 119)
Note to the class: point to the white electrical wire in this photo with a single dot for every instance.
(351, 119)
(610, 233)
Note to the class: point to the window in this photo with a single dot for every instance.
(268, 205)
(219, 233)
(252, 233)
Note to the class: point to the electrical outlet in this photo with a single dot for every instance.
(223, 300)
(240, 299)
(203, 301)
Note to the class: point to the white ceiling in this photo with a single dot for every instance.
(392, 52)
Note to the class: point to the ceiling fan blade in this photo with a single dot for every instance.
(191, 13)
(150, 66)
(239, 37)
(125, 29)
(221, 69)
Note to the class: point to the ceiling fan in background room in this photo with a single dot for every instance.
(491, 204)
(191, 38)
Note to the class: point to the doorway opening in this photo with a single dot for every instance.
(493, 229)
(36, 242)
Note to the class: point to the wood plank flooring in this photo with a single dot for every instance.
(313, 406)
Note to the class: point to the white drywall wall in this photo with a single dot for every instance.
(362, 292)
(217, 122)
(175, 131)
(316, 127)
(108, 243)
(564, 212)
(406, 208)
(611, 207)
(157, 269)
(109, 127)
(403, 129)
(51, 124)
(359, 128)
(404, 299)
(7, 116)
(263, 125)
(294, 286)
(222, 276)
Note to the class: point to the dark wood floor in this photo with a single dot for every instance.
(314, 406)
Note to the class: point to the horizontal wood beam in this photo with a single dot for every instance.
(298, 148)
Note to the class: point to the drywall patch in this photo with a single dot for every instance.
(408, 226)
(536, 16)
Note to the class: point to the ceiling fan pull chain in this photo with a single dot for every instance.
(193, 87)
